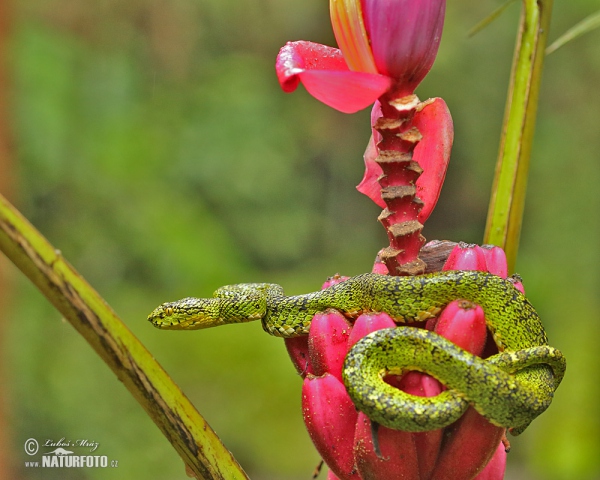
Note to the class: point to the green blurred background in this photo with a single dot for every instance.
(151, 144)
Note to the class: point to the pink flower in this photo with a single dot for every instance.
(470, 448)
(403, 36)
(385, 45)
(386, 49)
(324, 73)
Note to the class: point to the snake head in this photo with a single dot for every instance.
(186, 314)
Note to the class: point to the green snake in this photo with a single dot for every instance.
(510, 388)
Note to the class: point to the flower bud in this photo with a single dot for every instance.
(330, 418)
(328, 343)
(404, 36)
(466, 257)
(399, 38)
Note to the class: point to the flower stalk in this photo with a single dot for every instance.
(398, 186)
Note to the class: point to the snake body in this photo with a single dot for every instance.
(524, 374)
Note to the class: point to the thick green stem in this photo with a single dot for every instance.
(80, 304)
(505, 214)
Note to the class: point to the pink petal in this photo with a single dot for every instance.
(427, 443)
(519, 286)
(405, 36)
(325, 75)
(348, 91)
(432, 153)
(463, 323)
(367, 323)
(494, 470)
(495, 260)
(328, 343)
(469, 445)
(397, 448)
(369, 185)
(466, 257)
(297, 348)
(296, 57)
(330, 418)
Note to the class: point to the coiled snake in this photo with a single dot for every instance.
(510, 388)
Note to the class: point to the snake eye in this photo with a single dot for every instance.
(169, 311)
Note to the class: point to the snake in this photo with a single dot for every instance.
(510, 389)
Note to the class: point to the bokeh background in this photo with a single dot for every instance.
(150, 142)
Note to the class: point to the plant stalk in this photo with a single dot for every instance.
(188, 432)
(505, 214)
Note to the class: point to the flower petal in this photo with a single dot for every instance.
(398, 450)
(330, 418)
(328, 343)
(405, 36)
(369, 185)
(463, 323)
(351, 36)
(296, 57)
(466, 257)
(367, 323)
(297, 348)
(432, 153)
(494, 470)
(325, 75)
(495, 259)
(469, 444)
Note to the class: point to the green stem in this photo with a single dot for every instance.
(505, 214)
(80, 304)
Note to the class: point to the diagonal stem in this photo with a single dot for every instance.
(505, 214)
(190, 435)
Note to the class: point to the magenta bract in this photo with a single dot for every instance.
(466, 257)
(495, 260)
(405, 36)
(328, 343)
(325, 75)
(330, 418)
(463, 323)
(496, 466)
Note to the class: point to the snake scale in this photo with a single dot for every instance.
(510, 388)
